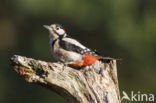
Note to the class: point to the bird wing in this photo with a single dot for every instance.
(75, 46)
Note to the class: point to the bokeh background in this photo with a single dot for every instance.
(122, 29)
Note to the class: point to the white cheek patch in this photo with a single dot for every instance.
(60, 31)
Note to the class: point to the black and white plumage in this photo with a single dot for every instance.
(65, 48)
(74, 46)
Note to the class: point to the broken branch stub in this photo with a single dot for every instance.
(95, 84)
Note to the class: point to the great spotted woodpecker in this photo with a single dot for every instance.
(69, 50)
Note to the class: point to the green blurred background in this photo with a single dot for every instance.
(123, 29)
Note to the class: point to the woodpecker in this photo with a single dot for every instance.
(70, 51)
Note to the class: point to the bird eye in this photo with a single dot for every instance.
(57, 28)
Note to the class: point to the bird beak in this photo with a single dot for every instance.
(47, 27)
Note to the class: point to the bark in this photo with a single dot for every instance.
(94, 84)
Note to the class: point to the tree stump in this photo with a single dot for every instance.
(94, 84)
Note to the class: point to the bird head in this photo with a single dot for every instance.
(56, 30)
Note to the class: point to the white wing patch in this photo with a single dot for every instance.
(73, 41)
(84, 50)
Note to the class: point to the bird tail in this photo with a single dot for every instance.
(108, 59)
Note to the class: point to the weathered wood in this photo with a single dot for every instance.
(95, 84)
